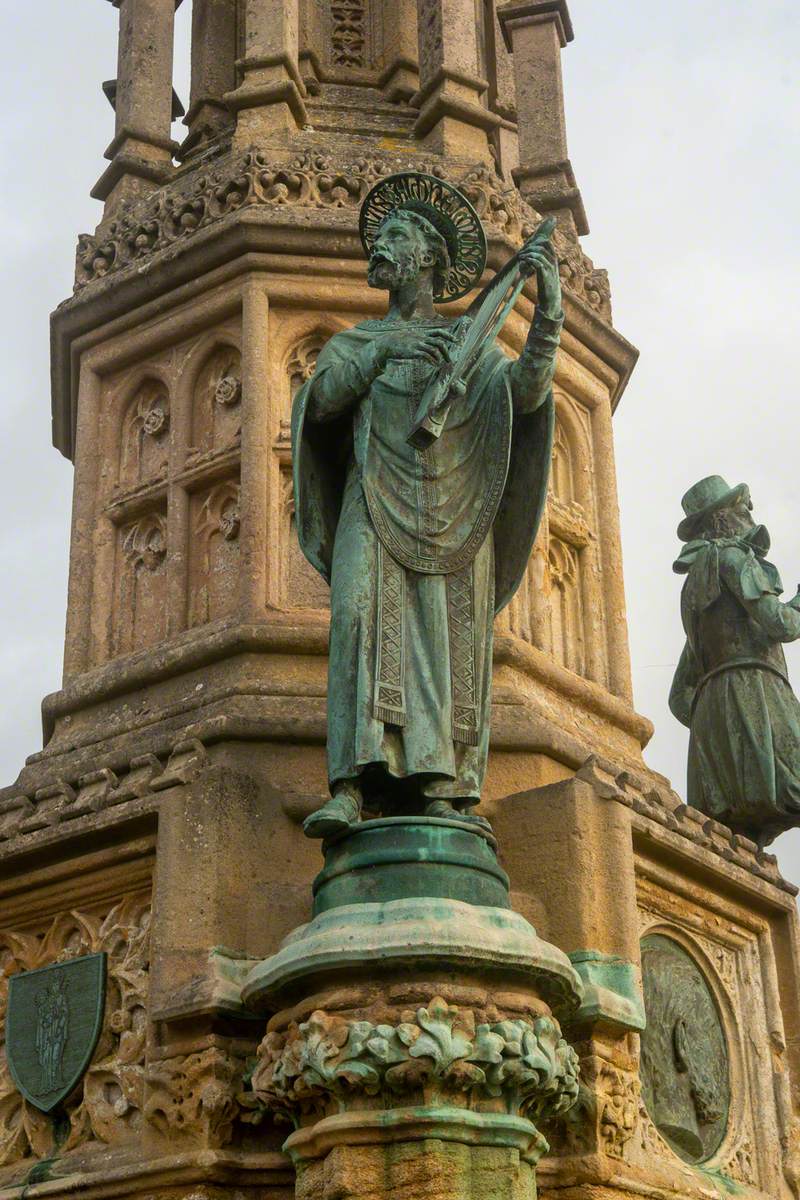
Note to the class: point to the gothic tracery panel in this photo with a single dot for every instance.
(431, 37)
(144, 450)
(214, 553)
(571, 520)
(139, 616)
(299, 369)
(349, 33)
(566, 604)
(563, 478)
(557, 607)
(300, 585)
(216, 403)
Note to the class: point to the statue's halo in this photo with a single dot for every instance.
(447, 209)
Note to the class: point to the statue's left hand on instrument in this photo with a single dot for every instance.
(539, 257)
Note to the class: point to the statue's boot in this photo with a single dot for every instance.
(336, 815)
(443, 808)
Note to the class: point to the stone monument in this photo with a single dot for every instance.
(196, 1004)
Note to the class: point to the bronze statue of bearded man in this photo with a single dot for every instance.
(422, 545)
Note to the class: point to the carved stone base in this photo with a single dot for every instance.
(417, 1048)
(431, 1152)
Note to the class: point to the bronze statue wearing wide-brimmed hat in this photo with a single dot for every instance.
(421, 457)
(731, 687)
(709, 496)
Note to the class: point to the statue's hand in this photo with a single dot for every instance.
(795, 600)
(540, 257)
(434, 345)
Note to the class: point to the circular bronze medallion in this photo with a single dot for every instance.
(684, 1068)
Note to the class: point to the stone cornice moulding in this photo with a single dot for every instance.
(118, 789)
(202, 647)
(210, 216)
(537, 12)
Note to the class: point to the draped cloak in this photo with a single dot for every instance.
(421, 549)
(731, 688)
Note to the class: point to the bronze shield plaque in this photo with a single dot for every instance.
(54, 1019)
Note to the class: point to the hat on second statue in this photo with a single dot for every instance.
(706, 497)
(448, 211)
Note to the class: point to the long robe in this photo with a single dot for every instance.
(421, 548)
(732, 690)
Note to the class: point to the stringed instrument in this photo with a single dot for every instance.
(481, 323)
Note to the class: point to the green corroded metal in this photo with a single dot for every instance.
(53, 1022)
(421, 933)
(611, 990)
(424, 541)
(395, 858)
(684, 1057)
(731, 687)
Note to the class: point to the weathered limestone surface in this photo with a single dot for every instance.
(160, 822)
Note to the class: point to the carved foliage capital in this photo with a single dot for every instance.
(436, 1054)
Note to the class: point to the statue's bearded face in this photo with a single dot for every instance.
(399, 253)
(737, 521)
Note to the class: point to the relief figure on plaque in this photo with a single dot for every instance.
(731, 687)
(421, 457)
(52, 1027)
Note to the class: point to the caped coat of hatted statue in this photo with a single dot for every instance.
(731, 686)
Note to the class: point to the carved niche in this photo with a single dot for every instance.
(551, 609)
(144, 449)
(141, 591)
(570, 521)
(106, 1107)
(214, 553)
(216, 419)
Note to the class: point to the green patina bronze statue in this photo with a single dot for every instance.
(421, 459)
(731, 686)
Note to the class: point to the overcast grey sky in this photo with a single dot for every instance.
(684, 126)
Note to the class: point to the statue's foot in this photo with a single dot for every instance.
(448, 811)
(339, 813)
